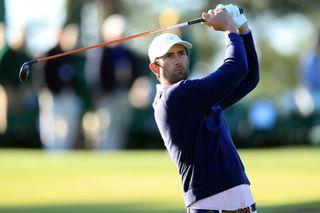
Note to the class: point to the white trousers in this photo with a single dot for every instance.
(59, 119)
(113, 114)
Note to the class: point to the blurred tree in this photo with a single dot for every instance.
(2, 11)
(109, 7)
(278, 6)
(106, 8)
(276, 68)
(73, 9)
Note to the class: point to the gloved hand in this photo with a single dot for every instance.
(235, 12)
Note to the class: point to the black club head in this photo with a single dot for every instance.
(24, 70)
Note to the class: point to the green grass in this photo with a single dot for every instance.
(283, 180)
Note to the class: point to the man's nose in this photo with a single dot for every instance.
(177, 59)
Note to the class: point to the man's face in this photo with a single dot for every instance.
(174, 65)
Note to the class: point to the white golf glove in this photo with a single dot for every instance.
(238, 18)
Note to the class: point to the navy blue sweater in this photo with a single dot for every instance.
(189, 115)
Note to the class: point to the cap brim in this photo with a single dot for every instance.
(166, 49)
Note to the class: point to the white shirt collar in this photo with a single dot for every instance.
(161, 87)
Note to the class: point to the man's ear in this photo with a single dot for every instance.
(153, 67)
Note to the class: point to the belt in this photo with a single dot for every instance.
(248, 209)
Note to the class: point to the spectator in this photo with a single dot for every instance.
(111, 71)
(59, 99)
(20, 99)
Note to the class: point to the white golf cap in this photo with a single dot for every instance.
(162, 43)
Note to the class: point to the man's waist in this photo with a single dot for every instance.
(234, 198)
(215, 186)
(249, 209)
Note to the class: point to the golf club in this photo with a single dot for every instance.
(25, 68)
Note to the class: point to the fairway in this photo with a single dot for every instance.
(283, 180)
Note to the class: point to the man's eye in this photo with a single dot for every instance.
(169, 55)
(182, 53)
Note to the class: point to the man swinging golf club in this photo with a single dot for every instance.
(189, 113)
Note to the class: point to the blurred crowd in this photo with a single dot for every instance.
(291, 118)
(101, 99)
(84, 100)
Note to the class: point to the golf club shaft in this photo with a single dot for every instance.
(187, 23)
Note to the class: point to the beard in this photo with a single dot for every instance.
(177, 74)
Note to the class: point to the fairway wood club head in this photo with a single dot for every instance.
(24, 70)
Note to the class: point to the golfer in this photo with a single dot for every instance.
(189, 113)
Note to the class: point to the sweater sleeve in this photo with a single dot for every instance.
(251, 79)
(205, 92)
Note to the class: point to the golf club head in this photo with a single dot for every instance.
(24, 70)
